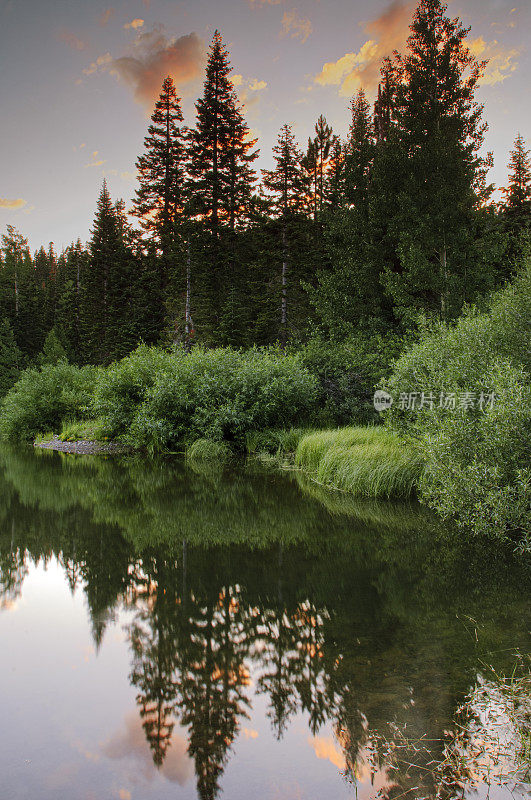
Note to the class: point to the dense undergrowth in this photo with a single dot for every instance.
(478, 453)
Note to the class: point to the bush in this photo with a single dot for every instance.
(479, 465)
(367, 462)
(158, 400)
(478, 460)
(42, 399)
(122, 387)
(347, 374)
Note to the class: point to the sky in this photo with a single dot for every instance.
(78, 80)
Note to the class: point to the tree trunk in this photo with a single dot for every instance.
(442, 262)
(284, 300)
(187, 317)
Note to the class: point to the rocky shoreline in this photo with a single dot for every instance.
(84, 447)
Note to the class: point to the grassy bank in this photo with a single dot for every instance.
(366, 462)
(369, 462)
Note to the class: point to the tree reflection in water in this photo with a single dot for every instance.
(240, 585)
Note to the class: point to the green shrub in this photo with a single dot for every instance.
(122, 387)
(478, 459)
(42, 399)
(479, 465)
(221, 395)
(347, 373)
(367, 462)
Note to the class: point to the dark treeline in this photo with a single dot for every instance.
(362, 234)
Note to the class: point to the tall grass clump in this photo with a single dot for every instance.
(275, 442)
(367, 462)
(478, 454)
(42, 399)
(207, 451)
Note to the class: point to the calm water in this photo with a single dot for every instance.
(171, 633)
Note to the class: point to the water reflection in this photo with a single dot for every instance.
(239, 588)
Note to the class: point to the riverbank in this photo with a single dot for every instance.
(83, 447)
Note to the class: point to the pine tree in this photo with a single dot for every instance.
(221, 181)
(286, 184)
(434, 145)
(516, 209)
(160, 198)
(360, 151)
(335, 182)
(107, 309)
(348, 295)
(518, 194)
(323, 144)
(10, 358)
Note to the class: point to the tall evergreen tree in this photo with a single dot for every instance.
(518, 193)
(221, 181)
(439, 131)
(516, 208)
(360, 152)
(10, 358)
(160, 197)
(286, 184)
(107, 311)
(160, 206)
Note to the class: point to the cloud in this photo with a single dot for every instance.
(14, 204)
(95, 161)
(129, 744)
(325, 747)
(151, 58)
(502, 60)
(72, 40)
(388, 32)
(135, 23)
(102, 62)
(296, 27)
(257, 86)
(250, 733)
(260, 3)
(146, 3)
(105, 16)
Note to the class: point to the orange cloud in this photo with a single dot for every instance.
(134, 24)
(502, 61)
(105, 16)
(250, 733)
(257, 86)
(14, 204)
(102, 62)
(296, 27)
(71, 40)
(95, 161)
(387, 32)
(325, 747)
(151, 58)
